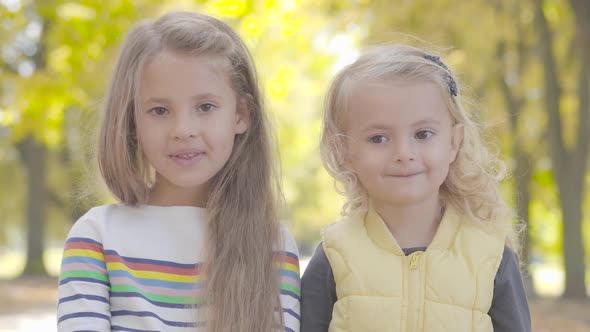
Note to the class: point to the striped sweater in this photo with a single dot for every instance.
(139, 269)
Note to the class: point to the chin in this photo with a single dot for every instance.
(188, 183)
(403, 202)
(406, 199)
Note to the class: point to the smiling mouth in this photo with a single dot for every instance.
(408, 175)
(186, 156)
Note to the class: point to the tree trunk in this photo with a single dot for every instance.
(573, 248)
(522, 194)
(34, 156)
(570, 176)
(522, 172)
(581, 9)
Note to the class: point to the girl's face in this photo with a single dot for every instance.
(401, 140)
(187, 123)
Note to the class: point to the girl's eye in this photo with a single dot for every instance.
(159, 111)
(207, 107)
(378, 139)
(424, 134)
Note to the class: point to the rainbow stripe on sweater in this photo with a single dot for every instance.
(163, 284)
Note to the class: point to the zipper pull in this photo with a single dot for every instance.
(414, 261)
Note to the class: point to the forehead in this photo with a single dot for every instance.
(394, 103)
(170, 72)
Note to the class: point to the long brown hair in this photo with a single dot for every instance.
(242, 285)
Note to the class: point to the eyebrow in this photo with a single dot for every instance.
(163, 100)
(381, 127)
(427, 121)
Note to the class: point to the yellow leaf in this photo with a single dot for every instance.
(55, 111)
(58, 59)
(289, 28)
(269, 4)
(277, 89)
(456, 58)
(52, 137)
(251, 26)
(7, 117)
(94, 50)
(229, 8)
(279, 83)
(552, 11)
(72, 10)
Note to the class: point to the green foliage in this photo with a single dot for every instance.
(297, 44)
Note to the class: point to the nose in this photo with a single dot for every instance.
(185, 126)
(404, 151)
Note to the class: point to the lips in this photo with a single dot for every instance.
(187, 158)
(405, 175)
(186, 155)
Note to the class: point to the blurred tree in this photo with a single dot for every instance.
(56, 53)
(513, 52)
(31, 44)
(569, 160)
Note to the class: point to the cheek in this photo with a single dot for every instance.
(145, 132)
(151, 145)
(224, 141)
(229, 144)
(442, 152)
(356, 153)
(146, 141)
(365, 168)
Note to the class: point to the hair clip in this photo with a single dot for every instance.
(448, 77)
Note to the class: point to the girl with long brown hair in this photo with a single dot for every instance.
(195, 242)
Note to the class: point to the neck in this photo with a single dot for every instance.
(412, 225)
(164, 193)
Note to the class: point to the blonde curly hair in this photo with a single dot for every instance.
(473, 183)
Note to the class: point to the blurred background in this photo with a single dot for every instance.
(525, 64)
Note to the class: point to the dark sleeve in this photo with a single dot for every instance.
(318, 293)
(510, 308)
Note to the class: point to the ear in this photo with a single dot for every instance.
(242, 116)
(457, 133)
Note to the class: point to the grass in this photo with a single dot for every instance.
(548, 278)
(25, 295)
(13, 262)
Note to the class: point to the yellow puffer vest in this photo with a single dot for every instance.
(447, 288)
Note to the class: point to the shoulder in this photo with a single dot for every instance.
(318, 271)
(319, 256)
(111, 213)
(93, 223)
(349, 226)
(510, 310)
(92, 220)
(89, 229)
(509, 266)
(287, 259)
(489, 236)
(346, 223)
(288, 243)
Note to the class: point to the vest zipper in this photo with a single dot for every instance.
(413, 261)
(414, 293)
